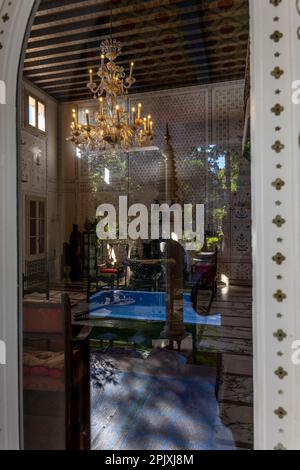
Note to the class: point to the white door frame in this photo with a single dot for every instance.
(270, 317)
(276, 221)
(14, 16)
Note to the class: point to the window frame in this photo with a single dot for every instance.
(38, 101)
(38, 200)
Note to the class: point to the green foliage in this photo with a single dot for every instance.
(247, 151)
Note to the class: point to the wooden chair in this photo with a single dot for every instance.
(204, 276)
(37, 282)
(55, 378)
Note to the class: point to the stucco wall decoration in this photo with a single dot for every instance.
(200, 116)
(34, 164)
(277, 148)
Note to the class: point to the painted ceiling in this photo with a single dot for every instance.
(173, 43)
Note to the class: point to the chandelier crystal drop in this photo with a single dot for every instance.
(114, 126)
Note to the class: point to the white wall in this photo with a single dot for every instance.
(276, 286)
(197, 116)
(42, 180)
(11, 41)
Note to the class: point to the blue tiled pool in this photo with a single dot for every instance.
(142, 305)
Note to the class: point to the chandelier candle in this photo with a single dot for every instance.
(101, 105)
(131, 69)
(74, 117)
(133, 116)
(118, 114)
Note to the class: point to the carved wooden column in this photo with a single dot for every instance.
(174, 252)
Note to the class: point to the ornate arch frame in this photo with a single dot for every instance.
(275, 36)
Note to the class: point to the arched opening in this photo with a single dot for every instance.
(187, 327)
(15, 17)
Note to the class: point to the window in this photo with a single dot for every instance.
(37, 226)
(107, 176)
(36, 113)
(41, 117)
(31, 110)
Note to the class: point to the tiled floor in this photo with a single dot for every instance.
(232, 342)
(156, 404)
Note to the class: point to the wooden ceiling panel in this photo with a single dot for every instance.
(172, 42)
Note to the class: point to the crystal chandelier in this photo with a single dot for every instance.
(114, 126)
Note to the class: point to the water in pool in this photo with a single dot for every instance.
(143, 305)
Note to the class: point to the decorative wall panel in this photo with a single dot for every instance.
(200, 116)
(227, 114)
(40, 176)
(197, 116)
(34, 163)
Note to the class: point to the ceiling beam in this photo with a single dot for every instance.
(92, 60)
(119, 27)
(176, 84)
(205, 75)
(144, 72)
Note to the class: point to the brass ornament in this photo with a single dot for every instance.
(280, 447)
(279, 258)
(281, 373)
(276, 36)
(278, 146)
(280, 335)
(278, 184)
(279, 296)
(5, 18)
(277, 72)
(280, 412)
(277, 109)
(279, 221)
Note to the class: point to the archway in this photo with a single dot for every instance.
(15, 16)
(276, 404)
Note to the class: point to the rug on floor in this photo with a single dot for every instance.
(135, 411)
